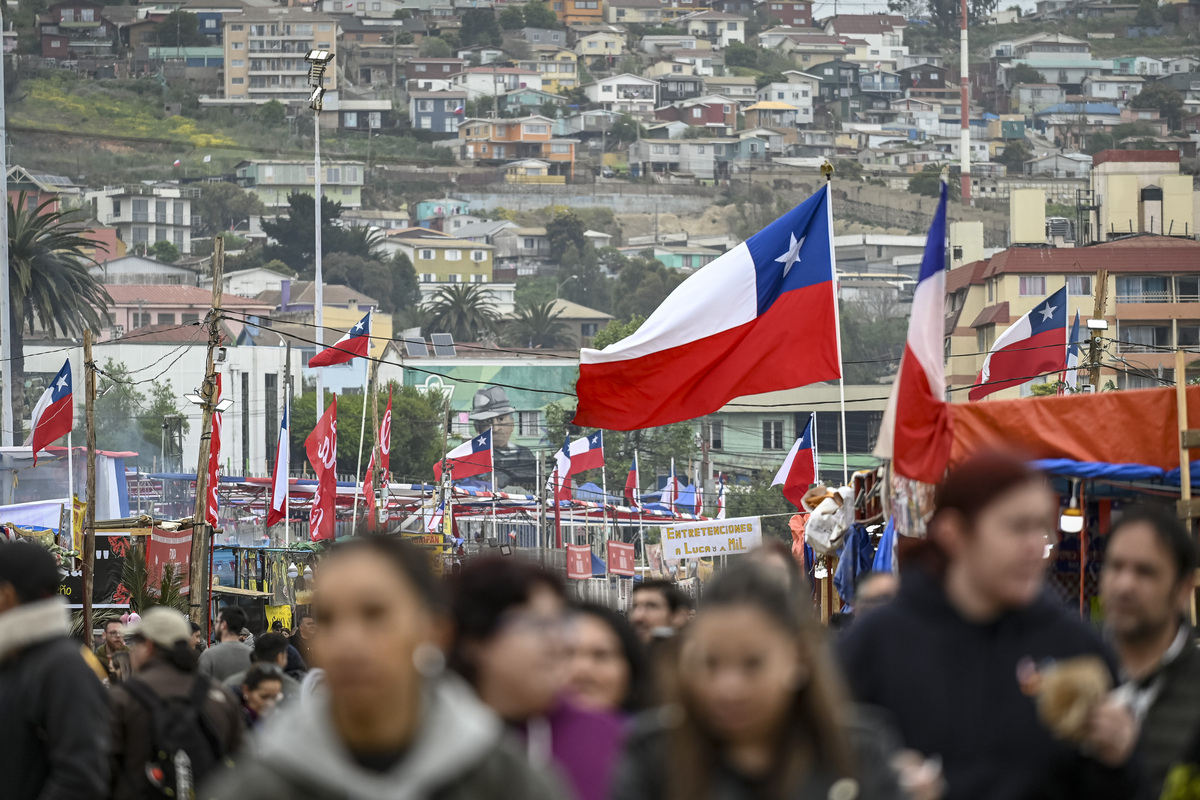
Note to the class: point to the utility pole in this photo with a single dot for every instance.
(7, 422)
(964, 100)
(89, 521)
(705, 477)
(1101, 294)
(376, 455)
(287, 407)
(198, 572)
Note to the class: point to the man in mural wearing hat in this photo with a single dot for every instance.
(515, 465)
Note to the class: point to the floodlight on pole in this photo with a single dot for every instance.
(318, 61)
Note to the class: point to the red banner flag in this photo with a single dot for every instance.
(214, 461)
(321, 446)
(382, 451)
(579, 562)
(621, 560)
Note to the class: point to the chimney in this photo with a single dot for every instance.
(285, 293)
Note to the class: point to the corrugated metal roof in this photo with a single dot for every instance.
(131, 294)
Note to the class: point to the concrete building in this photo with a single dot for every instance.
(792, 13)
(143, 270)
(558, 67)
(1140, 191)
(626, 94)
(440, 258)
(273, 181)
(715, 27)
(641, 12)
(264, 54)
(137, 306)
(488, 82)
(145, 214)
(440, 112)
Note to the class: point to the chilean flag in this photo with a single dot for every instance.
(279, 480)
(214, 461)
(670, 493)
(434, 524)
(587, 453)
(356, 342)
(1071, 377)
(631, 483)
(917, 428)
(762, 317)
(472, 457)
(1036, 344)
(560, 481)
(799, 470)
(54, 413)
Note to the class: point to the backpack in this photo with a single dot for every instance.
(184, 745)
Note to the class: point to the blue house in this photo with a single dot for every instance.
(437, 112)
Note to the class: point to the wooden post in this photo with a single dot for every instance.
(198, 572)
(89, 524)
(1098, 313)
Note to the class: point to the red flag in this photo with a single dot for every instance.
(631, 483)
(382, 449)
(55, 412)
(214, 461)
(321, 446)
(799, 470)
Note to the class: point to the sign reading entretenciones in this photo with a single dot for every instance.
(714, 537)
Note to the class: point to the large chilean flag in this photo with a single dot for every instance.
(761, 317)
(917, 428)
(356, 343)
(587, 453)
(472, 457)
(54, 413)
(1034, 345)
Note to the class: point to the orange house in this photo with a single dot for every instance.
(499, 140)
(572, 12)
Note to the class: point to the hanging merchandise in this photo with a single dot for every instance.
(831, 518)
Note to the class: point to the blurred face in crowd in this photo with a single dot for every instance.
(1002, 557)
(521, 667)
(262, 698)
(114, 636)
(742, 671)
(140, 651)
(597, 672)
(875, 591)
(1141, 592)
(308, 626)
(650, 610)
(369, 623)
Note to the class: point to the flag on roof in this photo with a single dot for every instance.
(799, 470)
(762, 317)
(356, 343)
(1034, 345)
(54, 414)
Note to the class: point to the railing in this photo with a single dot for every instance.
(1136, 347)
(1149, 297)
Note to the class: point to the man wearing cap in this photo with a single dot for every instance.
(53, 708)
(164, 664)
(514, 464)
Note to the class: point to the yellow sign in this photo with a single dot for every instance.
(714, 537)
(426, 539)
(280, 614)
(78, 516)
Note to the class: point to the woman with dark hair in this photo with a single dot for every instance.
(386, 721)
(510, 645)
(760, 712)
(606, 668)
(955, 656)
(260, 691)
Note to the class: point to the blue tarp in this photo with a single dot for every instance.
(854, 559)
(885, 554)
(1095, 469)
(599, 568)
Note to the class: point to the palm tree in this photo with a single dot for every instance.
(537, 325)
(463, 311)
(49, 283)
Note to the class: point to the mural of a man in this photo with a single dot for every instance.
(515, 465)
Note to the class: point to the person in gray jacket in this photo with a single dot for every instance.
(54, 717)
(386, 722)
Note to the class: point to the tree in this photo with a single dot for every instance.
(223, 206)
(537, 326)
(927, 182)
(367, 275)
(566, 229)
(1023, 73)
(625, 129)
(433, 47)
(534, 290)
(641, 287)
(616, 330)
(406, 288)
(873, 334)
(1015, 154)
(1147, 13)
(582, 281)
(540, 15)
(479, 26)
(462, 310)
(293, 233)
(272, 113)
(512, 18)
(180, 29)
(738, 54)
(1162, 98)
(124, 418)
(761, 499)
(50, 288)
(164, 251)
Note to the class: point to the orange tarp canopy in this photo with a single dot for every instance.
(1138, 426)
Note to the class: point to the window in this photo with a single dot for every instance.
(425, 255)
(454, 277)
(237, 62)
(772, 430)
(592, 46)
(190, 319)
(376, 6)
(350, 119)
(454, 255)
(479, 279)
(716, 434)
(1187, 289)
(700, 150)
(178, 237)
(697, 113)
(68, 15)
(1144, 338)
(529, 244)
(237, 28)
(479, 256)
(166, 319)
(656, 150)
(210, 23)
(560, 149)
(89, 15)
(141, 234)
(238, 81)
(424, 105)
(1032, 285)
(333, 175)
(673, 150)
(984, 336)
(141, 319)
(428, 277)
(1143, 289)
(237, 45)
(535, 129)
(733, 26)
(607, 88)
(116, 208)
(1079, 285)
(529, 423)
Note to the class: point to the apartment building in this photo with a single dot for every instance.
(626, 94)
(264, 54)
(575, 12)
(441, 258)
(273, 181)
(501, 140)
(440, 112)
(489, 82)
(558, 67)
(74, 29)
(146, 214)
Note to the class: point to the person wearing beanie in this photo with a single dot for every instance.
(54, 734)
(957, 657)
(165, 682)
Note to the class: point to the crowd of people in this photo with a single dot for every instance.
(958, 678)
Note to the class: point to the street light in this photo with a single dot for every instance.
(196, 399)
(318, 61)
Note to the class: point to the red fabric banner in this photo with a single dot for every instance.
(321, 446)
(579, 562)
(214, 462)
(621, 559)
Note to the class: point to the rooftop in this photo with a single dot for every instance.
(131, 294)
(302, 293)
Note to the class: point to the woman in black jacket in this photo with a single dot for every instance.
(760, 712)
(950, 658)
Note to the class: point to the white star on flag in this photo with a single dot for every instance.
(482, 441)
(358, 326)
(1047, 312)
(792, 255)
(62, 383)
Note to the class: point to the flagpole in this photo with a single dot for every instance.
(812, 420)
(827, 171)
(287, 478)
(541, 517)
(558, 539)
(362, 430)
(604, 491)
(637, 496)
(71, 482)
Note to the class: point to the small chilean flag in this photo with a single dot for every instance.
(799, 470)
(1071, 377)
(631, 483)
(472, 457)
(356, 342)
(587, 453)
(279, 481)
(54, 413)
(434, 524)
(1034, 345)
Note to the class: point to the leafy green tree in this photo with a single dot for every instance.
(434, 47)
(479, 26)
(567, 228)
(222, 206)
(928, 181)
(406, 288)
(534, 290)
(616, 330)
(537, 326)
(1023, 73)
(463, 310)
(873, 334)
(1147, 13)
(641, 287)
(163, 401)
(180, 29)
(293, 233)
(1015, 154)
(761, 499)
(512, 18)
(367, 275)
(50, 288)
(125, 418)
(272, 114)
(738, 54)
(540, 15)
(1099, 141)
(625, 129)
(1162, 98)
(582, 281)
(164, 251)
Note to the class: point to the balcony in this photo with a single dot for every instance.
(1151, 297)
